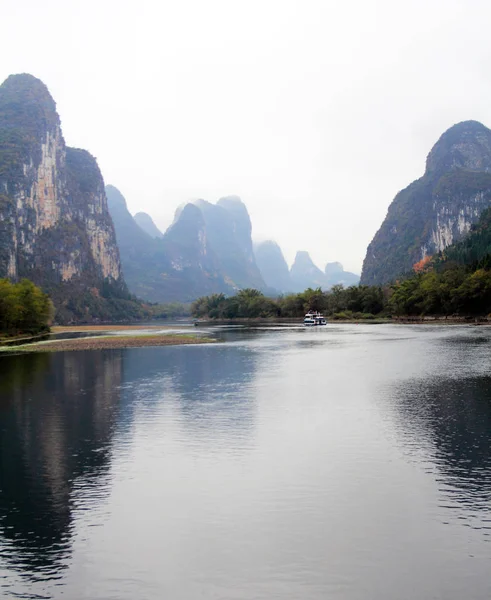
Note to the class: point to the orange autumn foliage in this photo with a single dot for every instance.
(423, 265)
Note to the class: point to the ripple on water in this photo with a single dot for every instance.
(351, 462)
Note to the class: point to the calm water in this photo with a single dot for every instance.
(349, 462)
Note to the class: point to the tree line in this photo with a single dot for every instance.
(24, 308)
(438, 289)
(353, 302)
(451, 290)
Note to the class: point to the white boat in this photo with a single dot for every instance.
(313, 318)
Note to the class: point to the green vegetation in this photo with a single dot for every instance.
(474, 251)
(24, 308)
(454, 291)
(171, 310)
(452, 188)
(456, 282)
(355, 302)
(108, 302)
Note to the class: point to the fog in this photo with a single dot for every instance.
(315, 112)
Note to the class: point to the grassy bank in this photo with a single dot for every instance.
(109, 342)
(96, 328)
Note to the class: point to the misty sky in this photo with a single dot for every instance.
(315, 112)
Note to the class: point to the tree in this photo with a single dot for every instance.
(24, 308)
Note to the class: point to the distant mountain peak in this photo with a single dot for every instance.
(115, 197)
(437, 209)
(466, 145)
(304, 273)
(207, 249)
(231, 199)
(28, 90)
(146, 222)
(333, 267)
(302, 257)
(335, 274)
(272, 265)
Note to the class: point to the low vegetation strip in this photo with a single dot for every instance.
(96, 328)
(110, 342)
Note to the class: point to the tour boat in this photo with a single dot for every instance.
(313, 318)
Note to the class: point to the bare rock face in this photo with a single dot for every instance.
(336, 275)
(206, 250)
(273, 266)
(179, 267)
(333, 268)
(438, 209)
(145, 221)
(55, 228)
(229, 229)
(304, 273)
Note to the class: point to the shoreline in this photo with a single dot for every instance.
(330, 321)
(109, 342)
(95, 328)
(112, 342)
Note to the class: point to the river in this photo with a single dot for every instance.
(348, 461)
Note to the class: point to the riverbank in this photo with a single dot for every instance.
(429, 320)
(97, 328)
(286, 321)
(17, 339)
(109, 342)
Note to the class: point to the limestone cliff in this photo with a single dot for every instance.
(304, 273)
(273, 266)
(180, 266)
(206, 250)
(229, 229)
(336, 275)
(436, 210)
(146, 223)
(55, 228)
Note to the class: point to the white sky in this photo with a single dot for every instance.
(315, 112)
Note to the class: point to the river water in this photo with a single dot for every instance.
(350, 462)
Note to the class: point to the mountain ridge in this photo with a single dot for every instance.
(145, 221)
(207, 249)
(55, 225)
(437, 209)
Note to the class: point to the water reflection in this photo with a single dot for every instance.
(451, 418)
(57, 414)
(269, 467)
(209, 386)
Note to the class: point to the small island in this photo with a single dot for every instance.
(111, 342)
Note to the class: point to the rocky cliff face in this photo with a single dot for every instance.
(228, 229)
(304, 273)
(436, 210)
(206, 250)
(54, 223)
(142, 256)
(242, 228)
(146, 223)
(179, 267)
(273, 267)
(336, 275)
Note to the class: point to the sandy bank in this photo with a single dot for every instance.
(95, 328)
(110, 342)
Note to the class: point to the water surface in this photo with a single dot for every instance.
(351, 462)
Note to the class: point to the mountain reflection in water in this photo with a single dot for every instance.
(452, 418)
(57, 415)
(352, 462)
